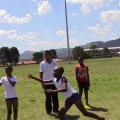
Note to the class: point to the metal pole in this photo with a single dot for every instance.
(68, 46)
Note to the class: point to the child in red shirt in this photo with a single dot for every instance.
(82, 77)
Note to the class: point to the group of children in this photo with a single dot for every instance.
(63, 86)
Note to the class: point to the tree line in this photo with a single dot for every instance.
(9, 55)
(76, 52)
(92, 52)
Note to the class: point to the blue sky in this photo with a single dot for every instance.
(40, 24)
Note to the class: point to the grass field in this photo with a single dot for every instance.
(104, 91)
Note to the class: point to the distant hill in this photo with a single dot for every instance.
(63, 51)
(27, 55)
(100, 44)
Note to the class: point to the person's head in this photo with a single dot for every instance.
(48, 55)
(58, 72)
(81, 59)
(8, 70)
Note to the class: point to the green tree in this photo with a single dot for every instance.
(14, 55)
(38, 56)
(105, 52)
(93, 51)
(5, 55)
(77, 51)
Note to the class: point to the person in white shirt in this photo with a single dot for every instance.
(70, 94)
(47, 67)
(9, 83)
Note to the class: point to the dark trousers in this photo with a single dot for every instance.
(51, 102)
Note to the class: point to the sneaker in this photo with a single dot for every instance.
(87, 107)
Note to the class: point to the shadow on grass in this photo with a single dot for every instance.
(67, 117)
(72, 117)
(92, 108)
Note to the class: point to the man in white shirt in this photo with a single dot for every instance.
(47, 67)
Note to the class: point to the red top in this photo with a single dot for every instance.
(82, 73)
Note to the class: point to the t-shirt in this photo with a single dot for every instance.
(82, 73)
(48, 69)
(60, 85)
(10, 91)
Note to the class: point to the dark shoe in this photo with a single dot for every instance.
(56, 112)
(49, 113)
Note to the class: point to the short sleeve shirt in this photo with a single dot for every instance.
(47, 69)
(10, 91)
(82, 73)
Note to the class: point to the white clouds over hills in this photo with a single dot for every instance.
(5, 17)
(110, 16)
(99, 30)
(89, 5)
(44, 7)
(14, 35)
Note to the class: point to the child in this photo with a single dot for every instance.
(82, 77)
(71, 95)
(9, 83)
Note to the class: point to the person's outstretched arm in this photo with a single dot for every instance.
(38, 79)
(34, 78)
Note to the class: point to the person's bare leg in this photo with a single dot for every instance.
(63, 111)
(9, 109)
(80, 92)
(81, 107)
(15, 108)
(86, 97)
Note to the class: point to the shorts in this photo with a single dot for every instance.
(84, 85)
(11, 99)
(72, 99)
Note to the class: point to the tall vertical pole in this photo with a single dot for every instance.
(68, 46)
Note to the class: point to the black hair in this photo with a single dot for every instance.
(61, 70)
(48, 52)
(8, 68)
(81, 57)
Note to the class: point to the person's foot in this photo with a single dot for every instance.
(49, 113)
(56, 111)
(87, 107)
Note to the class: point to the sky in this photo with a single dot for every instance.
(40, 24)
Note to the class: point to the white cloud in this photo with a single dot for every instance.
(13, 35)
(44, 7)
(61, 33)
(48, 44)
(34, 0)
(99, 30)
(88, 5)
(74, 14)
(110, 16)
(5, 17)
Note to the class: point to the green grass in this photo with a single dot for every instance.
(104, 91)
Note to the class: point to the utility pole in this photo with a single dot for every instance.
(67, 32)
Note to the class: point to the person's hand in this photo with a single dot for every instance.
(49, 90)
